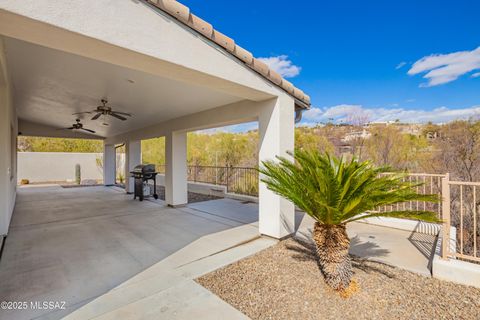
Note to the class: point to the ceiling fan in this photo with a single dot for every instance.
(106, 111)
(77, 126)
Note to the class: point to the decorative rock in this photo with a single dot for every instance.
(284, 282)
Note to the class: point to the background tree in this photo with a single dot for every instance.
(389, 146)
(308, 139)
(40, 144)
(457, 150)
(153, 151)
(358, 119)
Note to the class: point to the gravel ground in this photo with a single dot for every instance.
(192, 196)
(284, 282)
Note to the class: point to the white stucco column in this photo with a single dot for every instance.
(276, 127)
(109, 164)
(176, 168)
(133, 157)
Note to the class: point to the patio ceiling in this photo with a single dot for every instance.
(50, 85)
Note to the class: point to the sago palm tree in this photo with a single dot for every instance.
(335, 192)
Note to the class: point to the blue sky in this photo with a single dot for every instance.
(369, 56)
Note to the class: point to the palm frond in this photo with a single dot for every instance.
(335, 191)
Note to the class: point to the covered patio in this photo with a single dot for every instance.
(169, 69)
(76, 244)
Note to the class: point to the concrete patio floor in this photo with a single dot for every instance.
(109, 257)
(76, 244)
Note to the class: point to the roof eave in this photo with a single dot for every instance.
(182, 14)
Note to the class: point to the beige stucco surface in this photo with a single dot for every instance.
(58, 166)
(8, 133)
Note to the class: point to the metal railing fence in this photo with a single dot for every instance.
(459, 208)
(240, 180)
(461, 202)
(429, 184)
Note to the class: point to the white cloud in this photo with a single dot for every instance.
(444, 68)
(476, 75)
(345, 112)
(282, 65)
(400, 65)
(312, 115)
(242, 127)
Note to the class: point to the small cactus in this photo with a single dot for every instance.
(78, 174)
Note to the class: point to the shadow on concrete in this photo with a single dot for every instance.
(423, 239)
(299, 216)
(305, 250)
(366, 249)
(231, 209)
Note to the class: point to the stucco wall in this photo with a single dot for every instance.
(8, 134)
(58, 166)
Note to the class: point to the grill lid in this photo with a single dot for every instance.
(144, 168)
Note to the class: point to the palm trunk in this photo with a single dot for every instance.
(332, 248)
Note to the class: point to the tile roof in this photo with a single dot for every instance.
(182, 13)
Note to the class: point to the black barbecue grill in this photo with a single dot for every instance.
(142, 173)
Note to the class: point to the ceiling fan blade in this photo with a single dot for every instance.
(113, 114)
(76, 113)
(88, 130)
(122, 113)
(69, 128)
(95, 117)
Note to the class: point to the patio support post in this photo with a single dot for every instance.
(133, 157)
(176, 169)
(276, 127)
(109, 164)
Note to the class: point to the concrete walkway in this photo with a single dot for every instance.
(167, 290)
